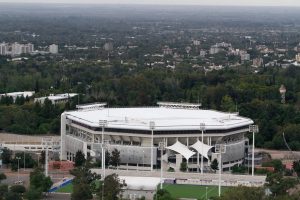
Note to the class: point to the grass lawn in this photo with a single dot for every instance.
(66, 189)
(192, 191)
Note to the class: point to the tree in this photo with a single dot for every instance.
(42, 158)
(115, 158)
(6, 155)
(12, 196)
(29, 161)
(107, 158)
(162, 194)
(183, 166)
(277, 164)
(3, 190)
(296, 167)
(39, 181)
(79, 159)
(111, 188)
(279, 184)
(227, 104)
(214, 165)
(242, 192)
(20, 189)
(83, 183)
(2, 177)
(81, 191)
(33, 194)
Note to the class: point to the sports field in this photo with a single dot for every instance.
(192, 191)
(66, 189)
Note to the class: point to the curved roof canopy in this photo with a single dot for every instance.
(181, 149)
(165, 119)
(201, 148)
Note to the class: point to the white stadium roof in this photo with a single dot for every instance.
(165, 119)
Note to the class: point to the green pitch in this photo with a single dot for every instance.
(66, 189)
(193, 191)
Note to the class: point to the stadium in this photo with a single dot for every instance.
(150, 137)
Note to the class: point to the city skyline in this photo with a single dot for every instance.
(293, 3)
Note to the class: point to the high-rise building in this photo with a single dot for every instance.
(108, 46)
(196, 42)
(214, 49)
(17, 49)
(53, 48)
(4, 49)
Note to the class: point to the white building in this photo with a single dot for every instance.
(223, 45)
(257, 62)
(108, 46)
(4, 49)
(14, 95)
(245, 57)
(137, 132)
(167, 51)
(53, 48)
(298, 58)
(202, 53)
(214, 49)
(196, 42)
(18, 49)
(56, 99)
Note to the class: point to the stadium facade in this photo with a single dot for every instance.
(139, 132)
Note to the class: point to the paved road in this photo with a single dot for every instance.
(279, 154)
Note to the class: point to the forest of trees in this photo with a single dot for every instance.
(253, 95)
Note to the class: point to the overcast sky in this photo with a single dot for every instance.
(185, 2)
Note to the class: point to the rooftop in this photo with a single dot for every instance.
(59, 96)
(15, 94)
(164, 118)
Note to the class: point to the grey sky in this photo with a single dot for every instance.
(192, 2)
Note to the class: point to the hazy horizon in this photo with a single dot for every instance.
(287, 3)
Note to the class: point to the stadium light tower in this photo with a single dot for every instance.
(282, 91)
(202, 128)
(219, 149)
(161, 147)
(103, 124)
(104, 147)
(46, 161)
(18, 158)
(152, 127)
(253, 129)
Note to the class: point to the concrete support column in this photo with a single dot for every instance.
(198, 157)
(63, 130)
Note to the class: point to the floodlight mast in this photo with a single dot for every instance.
(103, 124)
(254, 129)
(202, 128)
(161, 147)
(104, 146)
(219, 149)
(152, 127)
(18, 158)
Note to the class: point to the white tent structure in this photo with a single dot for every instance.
(181, 149)
(202, 148)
